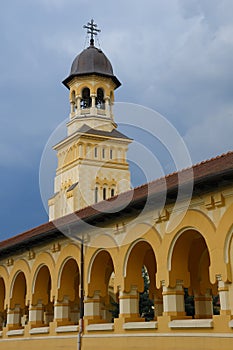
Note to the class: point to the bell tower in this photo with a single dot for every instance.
(92, 164)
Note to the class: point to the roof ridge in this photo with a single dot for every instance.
(185, 169)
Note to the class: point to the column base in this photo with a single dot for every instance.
(63, 322)
(93, 320)
(131, 318)
(32, 324)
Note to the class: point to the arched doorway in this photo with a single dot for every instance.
(17, 315)
(140, 298)
(41, 310)
(98, 303)
(189, 277)
(68, 292)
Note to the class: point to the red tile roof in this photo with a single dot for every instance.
(218, 168)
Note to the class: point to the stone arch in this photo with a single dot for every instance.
(101, 275)
(225, 234)
(68, 289)
(41, 289)
(105, 240)
(100, 270)
(2, 302)
(139, 254)
(193, 220)
(41, 308)
(100, 98)
(85, 97)
(182, 257)
(190, 264)
(17, 313)
(68, 280)
(47, 260)
(145, 231)
(19, 266)
(18, 290)
(5, 276)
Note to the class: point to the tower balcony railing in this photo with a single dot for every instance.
(85, 111)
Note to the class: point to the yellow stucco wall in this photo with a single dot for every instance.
(197, 255)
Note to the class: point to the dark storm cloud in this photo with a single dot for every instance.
(173, 56)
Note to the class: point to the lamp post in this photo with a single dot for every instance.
(81, 305)
(81, 295)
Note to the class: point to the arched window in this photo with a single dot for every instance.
(96, 152)
(86, 98)
(96, 194)
(112, 192)
(111, 154)
(104, 193)
(99, 101)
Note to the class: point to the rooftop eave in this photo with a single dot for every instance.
(94, 214)
(72, 76)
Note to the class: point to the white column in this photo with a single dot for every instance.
(78, 102)
(92, 307)
(74, 314)
(61, 311)
(72, 109)
(129, 304)
(223, 291)
(107, 107)
(36, 314)
(93, 109)
(173, 300)
(158, 305)
(14, 318)
(203, 305)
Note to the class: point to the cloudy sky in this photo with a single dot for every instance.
(174, 56)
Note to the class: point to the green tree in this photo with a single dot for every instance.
(146, 305)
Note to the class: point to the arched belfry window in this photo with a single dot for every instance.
(96, 194)
(86, 98)
(73, 104)
(99, 102)
(104, 193)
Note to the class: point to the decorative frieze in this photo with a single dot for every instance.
(55, 247)
(215, 201)
(31, 254)
(162, 216)
(10, 262)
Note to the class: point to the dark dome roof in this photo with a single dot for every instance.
(91, 61)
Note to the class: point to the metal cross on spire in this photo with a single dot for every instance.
(92, 29)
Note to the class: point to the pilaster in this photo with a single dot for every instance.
(203, 305)
(173, 300)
